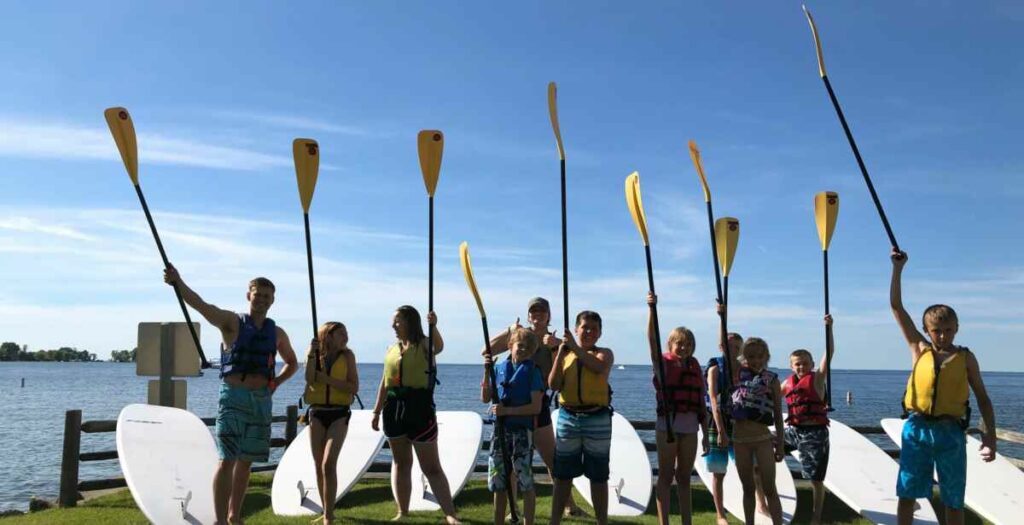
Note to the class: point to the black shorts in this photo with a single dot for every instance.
(327, 415)
(544, 417)
(411, 416)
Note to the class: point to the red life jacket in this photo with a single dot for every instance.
(684, 384)
(804, 405)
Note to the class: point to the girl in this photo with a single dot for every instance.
(684, 387)
(410, 422)
(331, 381)
(756, 404)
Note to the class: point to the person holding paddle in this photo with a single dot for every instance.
(936, 406)
(407, 403)
(332, 380)
(584, 428)
(252, 342)
(719, 446)
(538, 312)
(684, 386)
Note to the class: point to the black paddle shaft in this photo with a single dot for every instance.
(860, 162)
(499, 428)
(828, 341)
(312, 289)
(565, 258)
(432, 372)
(659, 368)
(167, 264)
(723, 390)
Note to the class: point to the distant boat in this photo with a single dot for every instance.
(621, 367)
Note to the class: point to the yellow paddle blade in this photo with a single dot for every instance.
(695, 156)
(826, 210)
(636, 205)
(817, 42)
(553, 112)
(121, 127)
(431, 147)
(727, 236)
(467, 271)
(307, 165)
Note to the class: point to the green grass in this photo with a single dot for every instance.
(370, 502)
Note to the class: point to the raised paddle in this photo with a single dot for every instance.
(727, 236)
(307, 165)
(636, 210)
(722, 324)
(849, 135)
(826, 210)
(499, 421)
(553, 113)
(430, 144)
(123, 131)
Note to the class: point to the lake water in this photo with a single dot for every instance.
(32, 421)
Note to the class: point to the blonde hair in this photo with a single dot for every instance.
(684, 334)
(753, 345)
(324, 332)
(524, 336)
(802, 353)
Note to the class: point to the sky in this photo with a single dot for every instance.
(218, 91)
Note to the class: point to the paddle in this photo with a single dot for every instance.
(723, 325)
(826, 210)
(636, 209)
(727, 236)
(553, 113)
(499, 421)
(849, 135)
(307, 164)
(430, 144)
(123, 131)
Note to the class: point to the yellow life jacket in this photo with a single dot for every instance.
(324, 394)
(938, 389)
(582, 387)
(409, 370)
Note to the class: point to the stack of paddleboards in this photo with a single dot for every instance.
(994, 490)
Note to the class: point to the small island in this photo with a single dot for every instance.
(10, 351)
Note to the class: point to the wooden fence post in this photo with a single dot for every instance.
(291, 423)
(69, 460)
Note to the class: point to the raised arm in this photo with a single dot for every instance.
(903, 319)
(716, 409)
(434, 333)
(652, 336)
(224, 320)
(988, 416)
(485, 383)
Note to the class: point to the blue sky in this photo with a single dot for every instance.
(218, 92)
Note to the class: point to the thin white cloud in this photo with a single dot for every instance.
(29, 225)
(296, 123)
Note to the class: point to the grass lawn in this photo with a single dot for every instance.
(370, 502)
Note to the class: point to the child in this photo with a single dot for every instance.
(719, 450)
(937, 402)
(756, 404)
(684, 386)
(520, 392)
(808, 418)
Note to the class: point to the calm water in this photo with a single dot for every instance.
(32, 423)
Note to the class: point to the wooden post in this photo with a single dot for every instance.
(291, 424)
(69, 460)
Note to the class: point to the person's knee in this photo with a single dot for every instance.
(432, 470)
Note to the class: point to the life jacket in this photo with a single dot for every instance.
(752, 397)
(408, 370)
(938, 389)
(582, 388)
(324, 394)
(254, 350)
(719, 362)
(684, 384)
(514, 382)
(803, 404)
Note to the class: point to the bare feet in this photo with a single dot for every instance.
(575, 511)
(452, 520)
(398, 517)
(721, 520)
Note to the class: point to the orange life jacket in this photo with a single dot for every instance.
(684, 384)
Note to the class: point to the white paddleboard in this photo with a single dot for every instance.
(168, 459)
(994, 490)
(864, 477)
(458, 444)
(733, 490)
(629, 479)
(295, 493)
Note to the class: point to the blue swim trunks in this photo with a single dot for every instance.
(930, 445)
(520, 442)
(243, 424)
(583, 443)
(717, 459)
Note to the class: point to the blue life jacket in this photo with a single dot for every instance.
(514, 382)
(720, 363)
(254, 350)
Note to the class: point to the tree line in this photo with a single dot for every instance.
(10, 351)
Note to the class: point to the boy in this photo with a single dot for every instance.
(520, 392)
(808, 418)
(937, 402)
